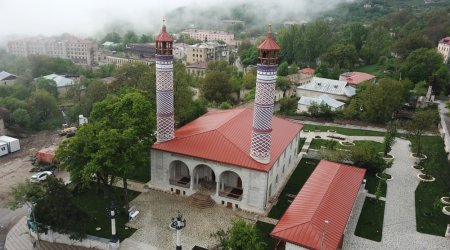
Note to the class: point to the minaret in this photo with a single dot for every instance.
(164, 87)
(264, 98)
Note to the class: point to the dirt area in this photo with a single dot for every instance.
(15, 167)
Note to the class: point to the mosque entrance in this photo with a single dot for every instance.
(204, 178)
(230, 185)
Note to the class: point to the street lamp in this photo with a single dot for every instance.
(323, 233)
(112, 213)
(178, 223)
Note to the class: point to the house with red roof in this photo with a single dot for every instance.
(444, 48)
(212, 152)
(318, 216)
(355, 78)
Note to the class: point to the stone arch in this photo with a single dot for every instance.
(204, 177)
(179, 174)
(230, 184)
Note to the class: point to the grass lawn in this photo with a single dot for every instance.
(370, 222)
(372, 182)
(374, 69)
(304, 169)
(429, 218)
(343, 131)
(96, 206)
(264, 231)
(317, 143)
(141, 173)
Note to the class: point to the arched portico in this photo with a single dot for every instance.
(230, 184)
(204, 178)
(179, 174)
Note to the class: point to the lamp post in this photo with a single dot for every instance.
(178, 223)
(324, 233)
(112, 213)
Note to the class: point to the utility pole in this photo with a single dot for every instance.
(178, 223)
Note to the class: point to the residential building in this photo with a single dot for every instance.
(179, 50)
(303, 76)
(121, 60)
(212, 35)
(338, 90)
(206, 52)
(319, 214)
(305, 102)
(63, 83)
(444, 48)
(7, 78)
(80, 51)
(197, 69)
(355, 78)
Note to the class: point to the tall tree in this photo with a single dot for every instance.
(377, 44)
(421, 64)
(420, 123)
(130, 37)
(47, 85)
(241, 235)
(341, 55)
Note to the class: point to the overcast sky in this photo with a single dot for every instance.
(91, 17)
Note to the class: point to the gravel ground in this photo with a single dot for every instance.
(156, 210)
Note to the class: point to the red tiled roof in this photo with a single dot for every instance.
(328, 194)
(445, 40)
(356, 77)
(308, 71)
(164, 36)
(225, 136)
(269, 43)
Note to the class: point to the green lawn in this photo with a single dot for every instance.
(96, 206)
(429, 218)
(304, 169)
(370, 222)
(264, 231)
(372, 182)
(317, 143)
(343, 131)
(374, 69)
(141, 173)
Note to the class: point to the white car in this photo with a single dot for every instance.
(41, 176)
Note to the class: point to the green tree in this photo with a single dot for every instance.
(25, 193)
(377, 44)
(130, 37)
(421, 64)
(248, 53)
(42, 107)
(241, 235)
(112, 37)
(341, 55)
(283, 84)
(421, 88)
(58, 211)
(366, 156)
(379, 101)
(21, 117)
(355, 33)
(249, 80)
(421, 122)
(146, 38)
(288, 105)
(47, 85)
(416, 40)
(283, 69)
(389, 137)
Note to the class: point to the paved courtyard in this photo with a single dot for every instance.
(156, 210)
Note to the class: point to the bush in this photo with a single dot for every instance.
(366, 156)
(225, 105)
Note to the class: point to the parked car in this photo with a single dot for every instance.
(41, 176)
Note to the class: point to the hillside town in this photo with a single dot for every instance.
(327, 130)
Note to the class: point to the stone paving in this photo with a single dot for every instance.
(157, 208)
(399, 227)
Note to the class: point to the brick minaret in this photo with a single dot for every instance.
(264, 98)
(164, 87)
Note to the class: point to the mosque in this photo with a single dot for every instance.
(241, 157)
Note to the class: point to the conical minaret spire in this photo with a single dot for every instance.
(264, 99)
(165, 125)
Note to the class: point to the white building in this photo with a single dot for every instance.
(212, 153)
(211, 35)
(444, 48)
(305, 102)
(338, 90)
(7, 78)
(80, 51)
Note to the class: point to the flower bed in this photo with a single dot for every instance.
(384, 176)
(423, 177)
(445, 200)
(446, 210)
(336, 137)
(418, 167)
(419, 156)
(347, 143)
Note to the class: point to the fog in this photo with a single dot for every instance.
(93, 18)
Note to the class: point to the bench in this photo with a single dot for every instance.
(132, 213)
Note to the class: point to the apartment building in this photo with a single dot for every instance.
(206, 52)
(212, 35)
(444, 48)
(80, 51)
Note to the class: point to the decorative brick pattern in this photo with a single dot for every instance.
(164, 98)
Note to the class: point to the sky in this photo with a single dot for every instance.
(90, 18)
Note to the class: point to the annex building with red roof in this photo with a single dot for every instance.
(213, 152)
(318, 216)
(355, 78)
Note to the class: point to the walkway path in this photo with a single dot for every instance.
(399, 229)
